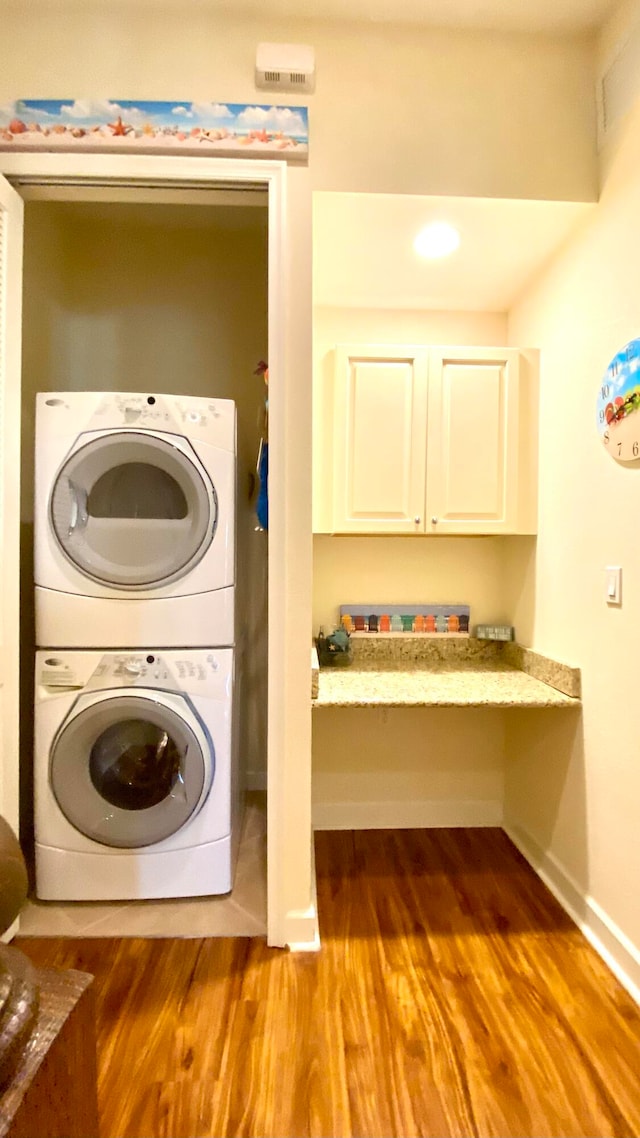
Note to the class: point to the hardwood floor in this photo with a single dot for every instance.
(451, 997)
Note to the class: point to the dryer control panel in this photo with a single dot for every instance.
(207, 420)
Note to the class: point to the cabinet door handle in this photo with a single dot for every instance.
(434, 521)
(417, 519)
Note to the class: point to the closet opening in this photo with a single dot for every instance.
(160, 290)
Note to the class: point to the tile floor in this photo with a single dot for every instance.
(243, 912)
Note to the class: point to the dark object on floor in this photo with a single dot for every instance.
(53, 1090)
(48, 1083)
(18, 981)
(13, 877)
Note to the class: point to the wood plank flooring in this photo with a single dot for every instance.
(451, 997)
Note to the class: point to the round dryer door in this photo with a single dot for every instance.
(133, 510)
(129, 770)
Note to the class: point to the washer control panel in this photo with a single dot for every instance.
(175, 670)
(151, 670)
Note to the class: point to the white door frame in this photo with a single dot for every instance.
(11, 225)
(72, 173)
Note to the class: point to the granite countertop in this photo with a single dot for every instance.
(417, 671)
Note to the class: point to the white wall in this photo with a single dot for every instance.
(396, 109)
(393, 570)
(396, 767)
(573, 796)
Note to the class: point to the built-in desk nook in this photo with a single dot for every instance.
(420, 731)
(420, 671)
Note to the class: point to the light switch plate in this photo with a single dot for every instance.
(613, 584)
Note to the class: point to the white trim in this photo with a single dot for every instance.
(142, 173)
(610, 942)
(302, 931)
(277, 562)
(11, 239)
(290, 877)
(98, 169)
(12, 931)
(425, 814)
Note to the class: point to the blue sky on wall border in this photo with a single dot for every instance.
(194, 128)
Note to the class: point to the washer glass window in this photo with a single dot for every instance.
(135, 764)
(132, 510)
(129, 771)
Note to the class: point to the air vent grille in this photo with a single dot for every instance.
(285, 67)
(619, 86)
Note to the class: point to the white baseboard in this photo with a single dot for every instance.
(299, 930)
(405, 815)
(308, 920)
(302, 933)
(616, 949)
(12, 931)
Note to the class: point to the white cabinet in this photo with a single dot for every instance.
(472, 441)
(431, 440)
(379, 455)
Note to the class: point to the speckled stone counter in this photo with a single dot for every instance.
(416, 671)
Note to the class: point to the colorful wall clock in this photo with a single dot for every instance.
(619, 403)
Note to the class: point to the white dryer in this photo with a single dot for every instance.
(135, 781)
(134, 520)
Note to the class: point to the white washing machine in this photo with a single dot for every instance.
(134, 520)
(136, 790)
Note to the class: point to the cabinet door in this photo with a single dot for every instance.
(472, 443)
(380, 417)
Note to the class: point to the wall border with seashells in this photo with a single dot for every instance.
(143, 127)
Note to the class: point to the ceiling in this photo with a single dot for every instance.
(363, 253)
(363, 250)
(504, 15)
(512, 15)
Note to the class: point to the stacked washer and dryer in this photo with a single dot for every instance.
(135, 779)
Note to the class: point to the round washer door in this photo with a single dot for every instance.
(132, 509)
(128, 769)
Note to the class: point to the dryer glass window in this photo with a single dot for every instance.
(130, 770)
(137, 490)
(133, 510)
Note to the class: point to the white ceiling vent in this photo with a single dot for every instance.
(285, 67)
(619, 85)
